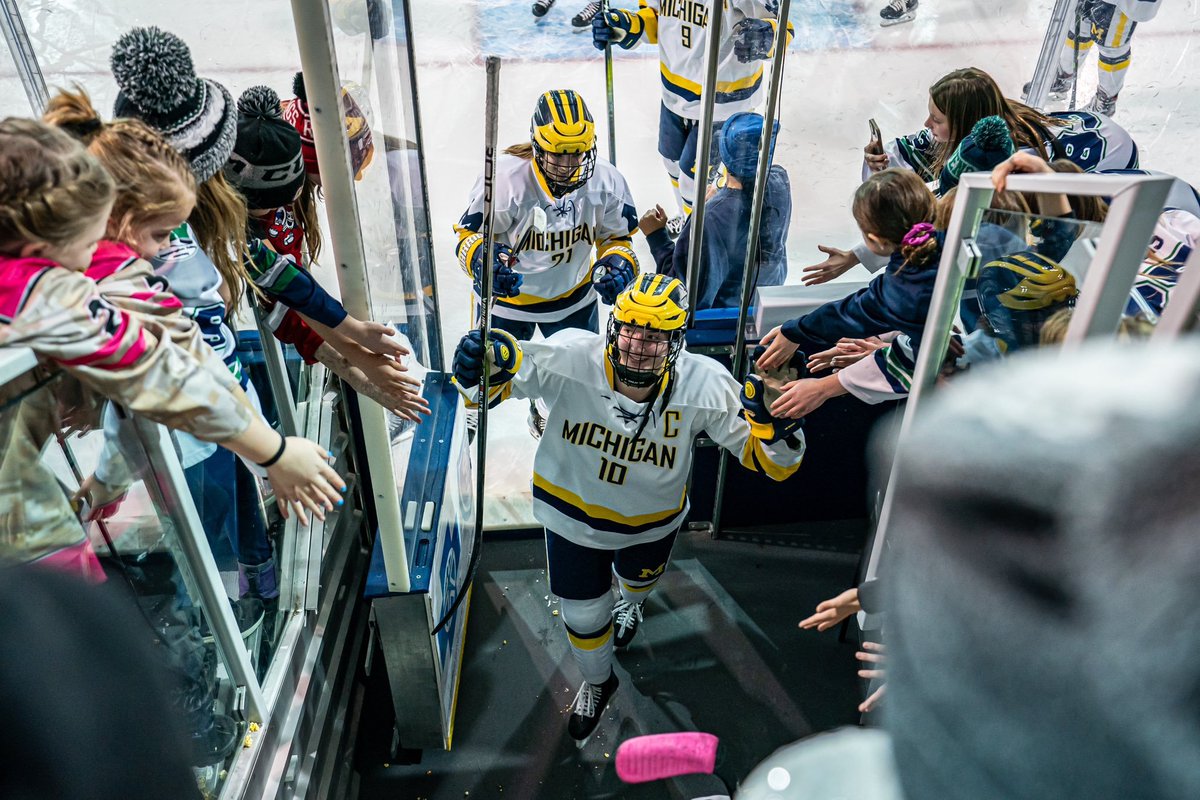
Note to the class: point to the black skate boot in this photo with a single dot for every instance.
(540, 7)
(588, 705)
(627, 617)
(897, 12)
(583, 20)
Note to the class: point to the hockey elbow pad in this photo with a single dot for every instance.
(620, 27)
(503, 356)
(612, 273)
(756, 406)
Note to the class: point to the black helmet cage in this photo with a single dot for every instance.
(640, 379)
(565, 179)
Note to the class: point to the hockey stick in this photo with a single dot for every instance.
(485, 325)
(608, 88)
(1075, 55)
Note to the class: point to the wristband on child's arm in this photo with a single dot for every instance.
(270, 462)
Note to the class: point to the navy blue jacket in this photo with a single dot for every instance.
(896, 300)
(726, 227)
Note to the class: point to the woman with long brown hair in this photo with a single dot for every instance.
(960, 99)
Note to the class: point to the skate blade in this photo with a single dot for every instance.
(888, 23)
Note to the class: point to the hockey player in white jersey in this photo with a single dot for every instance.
(1109, 24)
(680, 29)
(555, 202)
(610, 474)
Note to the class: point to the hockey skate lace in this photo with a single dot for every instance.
(587, 12)
(675, 226)
(585, 701)
(628, 615)
(898, 5)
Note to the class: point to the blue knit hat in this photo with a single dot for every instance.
(740, 139)
(986, 146)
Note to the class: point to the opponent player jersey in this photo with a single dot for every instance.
(1092, 141)
(597, 485)
(1176, 234)
(680, 28)
(553, 238)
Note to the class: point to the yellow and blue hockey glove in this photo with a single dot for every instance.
(503, 356)
(753, 40)
(620, 27)
(505, 280)
(611, 275)
(756, 405)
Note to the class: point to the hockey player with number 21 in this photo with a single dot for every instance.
(555, 200)
(610, 474)
(680, 28)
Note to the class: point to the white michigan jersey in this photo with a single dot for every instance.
(1092, 141)
(680, 28)
(597, 485)
(553, 237)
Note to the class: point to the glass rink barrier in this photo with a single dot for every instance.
(781, 170)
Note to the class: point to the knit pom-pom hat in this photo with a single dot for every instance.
(266, 164)
(988, 144)
(158, 85)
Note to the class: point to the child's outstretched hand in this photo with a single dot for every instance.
(103, 500)
(779, 350)
(304, 479)
(373, 336)
(837, 263)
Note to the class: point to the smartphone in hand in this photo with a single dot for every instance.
(875, 146)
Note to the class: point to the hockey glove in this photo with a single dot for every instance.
(756, 404)
(620, 27)
(753, 40)
(611, 275)
(503, 357)
(505, 281)
(1099, 14)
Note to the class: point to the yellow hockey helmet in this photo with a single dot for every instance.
(646, 329)
(1018, 293)
(564, 140)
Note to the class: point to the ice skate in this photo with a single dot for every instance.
(540, 7)
(537, 423)
(1059, 88)
(675, 226)
(582, 21)
(897, 12)
(627, 617)
(1102, 103)
(588, 706)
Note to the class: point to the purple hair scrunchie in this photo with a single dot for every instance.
(918, 235)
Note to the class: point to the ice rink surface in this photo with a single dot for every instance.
(842, 69)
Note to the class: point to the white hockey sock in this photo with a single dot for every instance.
(589, 630)
(635, 591)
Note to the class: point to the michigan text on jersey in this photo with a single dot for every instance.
(618, 445)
